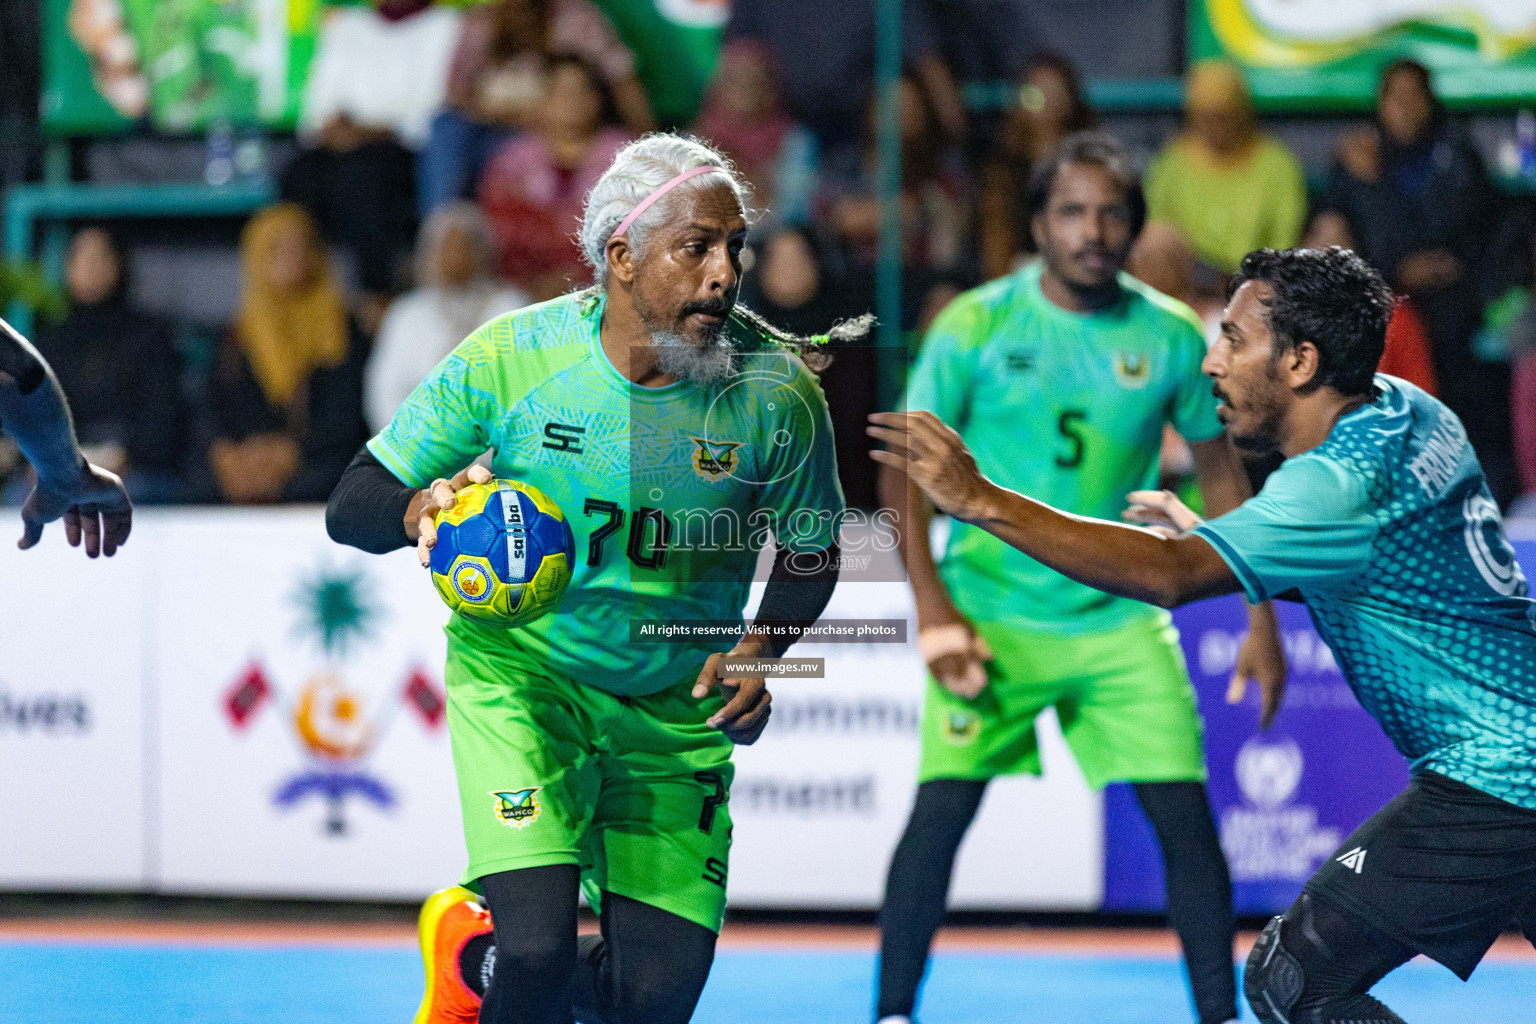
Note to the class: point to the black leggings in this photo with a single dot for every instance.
(1199, 889)
(648, 967)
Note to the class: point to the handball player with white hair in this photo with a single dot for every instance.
(676, 430)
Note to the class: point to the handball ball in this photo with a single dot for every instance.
(504, 554)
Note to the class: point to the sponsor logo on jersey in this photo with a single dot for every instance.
(1133, 370)
(961, 728)
(563, 437)
(517, 808)
(715, 460)
(1020, 360)
(1354, 859)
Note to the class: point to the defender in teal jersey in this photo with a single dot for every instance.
(678, 433)
(1381, 521)
(1061, 377)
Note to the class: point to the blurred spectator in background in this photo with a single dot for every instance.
(287, 392)
(788, 286)
(496, 81)
(1522, 354)
(744, 115)
(377, 79)
(1514, 319)
(935, 234)
(1048, 106)
(1163, 259)
(1407, 352)
(826, 52)
(456, 293)
(535, 184)
(1420, 205)
(121, 372)
(1222, 183)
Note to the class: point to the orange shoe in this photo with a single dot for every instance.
(449, 919)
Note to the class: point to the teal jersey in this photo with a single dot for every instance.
(1388, 531)
(1067, 408)
(671, 491)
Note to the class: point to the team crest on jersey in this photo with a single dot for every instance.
(517, 808)
(1133, 370)
(715, 460)
(961, 728)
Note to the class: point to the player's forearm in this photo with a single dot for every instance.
(1124, 560)
(35, 414)
(913, 514)
(367, 509)
(797, 592)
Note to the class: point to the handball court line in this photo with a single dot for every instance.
(1092, 942)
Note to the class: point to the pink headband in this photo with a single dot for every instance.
(645, 204)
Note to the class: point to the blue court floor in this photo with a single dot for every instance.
(58, 983)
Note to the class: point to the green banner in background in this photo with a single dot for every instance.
(176, 64)
(676, 43)
(1328, 53)
(179, 65)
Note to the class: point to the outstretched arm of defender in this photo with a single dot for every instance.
(1111, 557)
(91, 500)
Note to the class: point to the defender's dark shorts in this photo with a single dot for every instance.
(1443, 869)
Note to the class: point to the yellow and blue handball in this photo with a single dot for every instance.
(504, 554)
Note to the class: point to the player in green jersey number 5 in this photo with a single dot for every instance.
(677, 431)
(1380, 518)
(1061, 377)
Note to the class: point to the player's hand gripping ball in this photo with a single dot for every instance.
(504, 554)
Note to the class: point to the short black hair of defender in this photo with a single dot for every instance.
(1330, 297)
(1099, 149)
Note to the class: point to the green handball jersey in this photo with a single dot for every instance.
(1067, 408)
(670, 491)
(1388, 531)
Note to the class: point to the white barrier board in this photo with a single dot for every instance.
(821, 800)
(74, 696)
(261, 720)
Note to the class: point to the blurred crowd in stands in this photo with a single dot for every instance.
(446, 153)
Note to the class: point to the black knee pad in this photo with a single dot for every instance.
(1316, 964)
(1274, 980)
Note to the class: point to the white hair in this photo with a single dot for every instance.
(638, 170)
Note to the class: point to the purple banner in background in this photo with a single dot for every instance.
(1283, 799)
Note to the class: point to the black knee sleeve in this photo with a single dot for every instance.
(648, 967)
(1314, 965)
(534, 913)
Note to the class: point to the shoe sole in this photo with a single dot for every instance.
(432, 911)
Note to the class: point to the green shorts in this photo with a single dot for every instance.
(1123, 697)
(551, 771)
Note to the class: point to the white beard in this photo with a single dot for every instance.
(712, 361)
